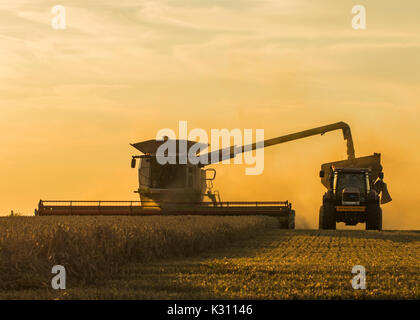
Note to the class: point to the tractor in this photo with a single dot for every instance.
(353, 195)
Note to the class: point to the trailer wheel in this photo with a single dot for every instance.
(327, 217)
(374, 217)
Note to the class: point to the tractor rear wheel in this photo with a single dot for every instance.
(327, 217)
(374, 217)
(321, 217)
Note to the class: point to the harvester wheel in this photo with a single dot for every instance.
(374, 217)
(327, 217)
(284, 224)
(292, 220)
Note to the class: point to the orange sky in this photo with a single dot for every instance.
(72, 100)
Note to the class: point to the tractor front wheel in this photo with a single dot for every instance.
(327, 219)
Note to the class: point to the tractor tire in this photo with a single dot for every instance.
(327, 217)
(321, 217)
(374, 217)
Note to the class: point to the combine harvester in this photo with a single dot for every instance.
(180, 189)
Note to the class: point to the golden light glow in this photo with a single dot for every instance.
(72, 100)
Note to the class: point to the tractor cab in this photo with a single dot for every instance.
(350, 185)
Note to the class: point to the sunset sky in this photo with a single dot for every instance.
(72, 100)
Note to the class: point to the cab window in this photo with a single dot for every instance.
(351, 180)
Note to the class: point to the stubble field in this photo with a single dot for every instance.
(202, 258)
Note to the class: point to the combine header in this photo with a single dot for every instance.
(282, 210)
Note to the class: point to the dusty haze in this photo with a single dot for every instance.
(71, 101)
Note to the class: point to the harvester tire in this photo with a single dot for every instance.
(374, 217)
(284, 224)
(292, 220)
(327, 217)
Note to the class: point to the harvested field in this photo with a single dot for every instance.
(231, 258)
(280, 264)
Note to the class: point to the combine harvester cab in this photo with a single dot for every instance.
(168, 184)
